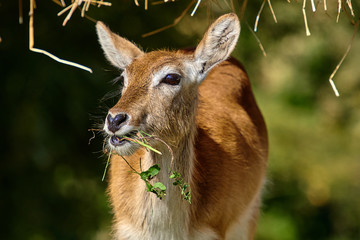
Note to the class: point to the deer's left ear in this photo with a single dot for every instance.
(218, 43)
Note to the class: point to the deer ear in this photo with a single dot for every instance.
(218, 42)
(119, 51)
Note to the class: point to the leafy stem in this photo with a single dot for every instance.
(158, 188)
(184, 187)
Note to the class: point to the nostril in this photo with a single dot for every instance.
(120, 118)
(114, 123)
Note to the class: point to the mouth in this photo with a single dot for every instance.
(117, 141)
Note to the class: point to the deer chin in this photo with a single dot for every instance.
(125, 148)
(122, 145)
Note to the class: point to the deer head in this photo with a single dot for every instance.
(160, 87)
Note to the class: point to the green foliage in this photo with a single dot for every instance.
(157, 188)
(184, 187)
(150, 173)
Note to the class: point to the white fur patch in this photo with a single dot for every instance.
(204, 234)
(121, 132)
(125, 77)
(159, 75)
(126, 231)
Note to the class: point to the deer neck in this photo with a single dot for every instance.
(177, 157)
(177, 144)
(170, 216)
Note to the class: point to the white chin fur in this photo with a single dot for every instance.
(127, 149)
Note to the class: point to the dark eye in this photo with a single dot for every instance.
(171, 79)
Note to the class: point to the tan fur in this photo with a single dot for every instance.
(217, 134)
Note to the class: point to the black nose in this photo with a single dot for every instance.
(115, 123)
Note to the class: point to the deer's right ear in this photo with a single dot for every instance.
(119, 51)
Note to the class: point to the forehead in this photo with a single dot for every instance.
(150, 63)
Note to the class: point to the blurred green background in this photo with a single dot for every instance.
(50, 176)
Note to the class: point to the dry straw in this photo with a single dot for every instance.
(305, 19)
(342, 6)
(76, 4)
(84, 5)
(356, 28)
(176, 21)
(260, 11)
(72, 7)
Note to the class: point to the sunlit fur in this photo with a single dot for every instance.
(214, 127)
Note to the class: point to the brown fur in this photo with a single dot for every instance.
(220, 146)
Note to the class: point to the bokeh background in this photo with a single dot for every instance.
(50, 176)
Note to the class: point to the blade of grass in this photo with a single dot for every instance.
(129, 165)
(106, 167)
(143, 138)
(143, 144)
(144, 133)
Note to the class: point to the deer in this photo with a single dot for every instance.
(200, 103)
